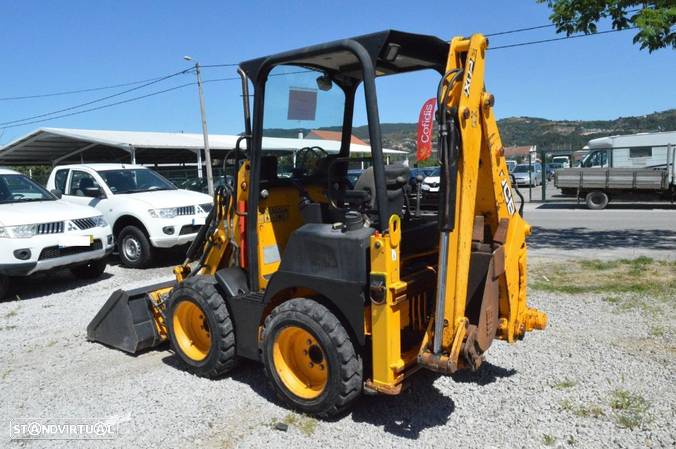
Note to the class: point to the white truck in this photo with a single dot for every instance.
(145, 210)
(39, 232)
(638, 166)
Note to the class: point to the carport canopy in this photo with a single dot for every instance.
(58, 146)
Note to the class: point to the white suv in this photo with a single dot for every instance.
(145, 210)
(38, 232)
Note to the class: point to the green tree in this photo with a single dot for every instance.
(653, 19)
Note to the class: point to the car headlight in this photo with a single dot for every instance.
(18, 232)
(100, 221)
(167, 212)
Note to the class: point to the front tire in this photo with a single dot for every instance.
(134, 247)
(200, 328)
(310, 359)
(91, 270)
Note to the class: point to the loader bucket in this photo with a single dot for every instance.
(126, 320)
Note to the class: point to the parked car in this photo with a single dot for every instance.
(551, 168)
(526, 175)
(431, 182)
(39, 232)
(145, 210)
(200, 184)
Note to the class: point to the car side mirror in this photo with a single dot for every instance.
(93, 192)
(57, 193)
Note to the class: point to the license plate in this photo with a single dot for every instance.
(199, 221)
(75, 240)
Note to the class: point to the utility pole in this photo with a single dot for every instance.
(205, 131)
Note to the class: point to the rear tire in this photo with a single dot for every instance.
(91, 270)
(134, 247)
(596, 200)
(200, 328)
(309, 358)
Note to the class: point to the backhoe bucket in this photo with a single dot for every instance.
(127, 322)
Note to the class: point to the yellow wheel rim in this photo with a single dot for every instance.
(300, 362)
(191, 330)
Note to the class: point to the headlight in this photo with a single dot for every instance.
(18, 232)
(167, 212)
(100, 221)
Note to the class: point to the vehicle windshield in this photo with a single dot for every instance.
(134, 180)
(522, 169)
(434, 171)
(302, 121)
(15, 188)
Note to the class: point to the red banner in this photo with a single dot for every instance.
(425, 124)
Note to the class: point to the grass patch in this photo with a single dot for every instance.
(548, 440)
(305, 424)
(590, 411)
(629, 409)
(656, 331)
(564, 384)
(640, 276)
(583, 411)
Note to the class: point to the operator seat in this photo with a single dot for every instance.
(396, 177)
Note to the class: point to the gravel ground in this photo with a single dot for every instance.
(555, 388)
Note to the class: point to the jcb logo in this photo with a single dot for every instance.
(507, 194)
(468, 78)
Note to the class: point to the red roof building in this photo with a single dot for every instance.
(332, 135)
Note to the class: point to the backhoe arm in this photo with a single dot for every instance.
(481, 289)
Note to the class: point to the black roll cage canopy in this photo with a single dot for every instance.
(348, 63)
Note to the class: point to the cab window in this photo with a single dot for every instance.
(81, 181)
(60, 178)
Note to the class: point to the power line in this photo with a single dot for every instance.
(538, 27)
(519, 30)
(98, 100)
(129, 100)
(80, 91)
(521, 44)
(96, 89)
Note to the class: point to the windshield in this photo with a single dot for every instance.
(20, 189)
(302, 120)
(135, 180)
(522, 169)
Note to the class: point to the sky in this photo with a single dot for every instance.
(66, 45)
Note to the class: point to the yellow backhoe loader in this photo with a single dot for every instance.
(338, 287)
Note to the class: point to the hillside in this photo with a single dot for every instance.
(546, 134)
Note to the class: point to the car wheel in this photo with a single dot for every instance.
(597, 200)
(4, 286)
(134, 247)
(91, 270)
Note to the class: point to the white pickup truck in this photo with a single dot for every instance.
(38, 232)
(145, 210)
